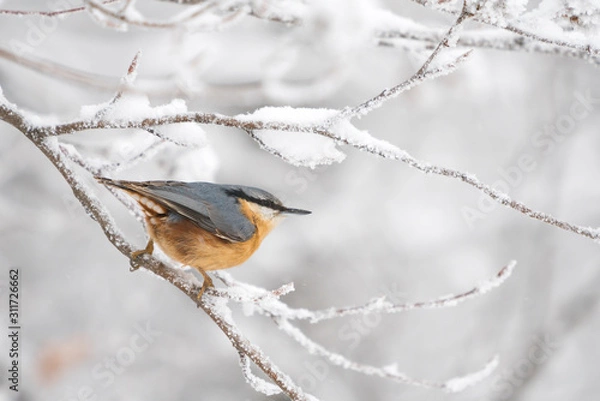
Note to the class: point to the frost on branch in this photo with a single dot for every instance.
(255, 382)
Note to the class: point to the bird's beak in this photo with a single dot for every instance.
(296, 211)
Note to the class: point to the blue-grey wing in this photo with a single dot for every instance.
(206, 204)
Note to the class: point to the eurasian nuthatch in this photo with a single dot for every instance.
(203, 225)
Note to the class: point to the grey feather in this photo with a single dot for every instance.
(208, 205)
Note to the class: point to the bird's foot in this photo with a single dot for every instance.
(135, 255)
(206, 284)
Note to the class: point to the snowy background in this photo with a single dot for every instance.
(377, 228)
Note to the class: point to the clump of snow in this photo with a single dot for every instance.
(190, 164)
(185, 134)
(499, 11)
(301, 149)
(89, 112)
(289, 115)
(299, 137)
(347, 131)
(290, 141)
(133, 107)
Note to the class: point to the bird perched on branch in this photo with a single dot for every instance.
(203, 225)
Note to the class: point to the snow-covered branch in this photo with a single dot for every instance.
(258, 300)
(300, 136)
(301, 125)
(545, 18)
(390, 372)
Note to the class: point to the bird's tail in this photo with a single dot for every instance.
(125, 185)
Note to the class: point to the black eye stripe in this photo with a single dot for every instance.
(267, 203)
(262, 202)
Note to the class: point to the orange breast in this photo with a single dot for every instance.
(189, 244)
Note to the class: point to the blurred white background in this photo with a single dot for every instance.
(377, 228)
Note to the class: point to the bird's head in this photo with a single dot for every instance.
(264, 205)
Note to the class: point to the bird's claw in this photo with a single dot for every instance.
(135, 256)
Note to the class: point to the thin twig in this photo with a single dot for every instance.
(422, 74)
(126, 82)
(51, 13)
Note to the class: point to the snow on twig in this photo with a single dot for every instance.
(500, 21)
(255, 299)
(388, 372)
(396, 30)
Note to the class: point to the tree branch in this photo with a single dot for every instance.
(267, 302)
(213, 307)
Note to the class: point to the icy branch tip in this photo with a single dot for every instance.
(500, 278)
(459, 384)
(132, 71)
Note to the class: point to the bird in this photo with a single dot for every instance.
(204, 225)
